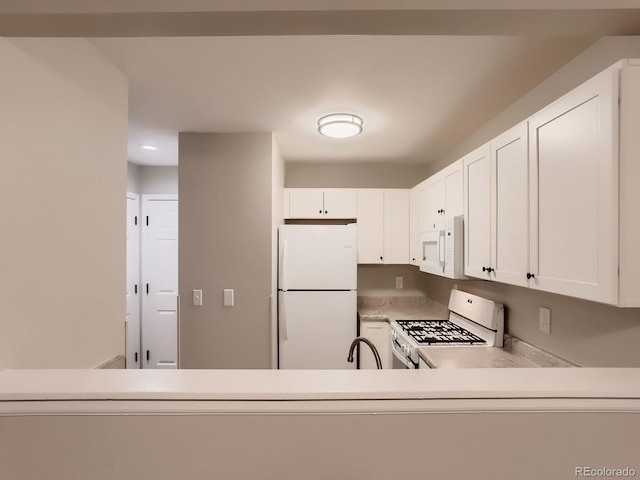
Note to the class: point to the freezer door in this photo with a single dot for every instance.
(317, 257)
(316, 329)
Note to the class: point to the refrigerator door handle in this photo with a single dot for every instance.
(285, 264)
(282, 327)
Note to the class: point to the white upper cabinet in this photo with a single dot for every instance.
(574, 192)
(510, 207)
(383, 226)
(370, 219)
(415, 222)
(477, 212)
(443, 194)
(396, 226)
(340, 203)
(308, 203)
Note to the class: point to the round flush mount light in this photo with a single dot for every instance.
(149, 147)
(340, 125)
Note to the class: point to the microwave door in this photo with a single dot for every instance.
(431, 255)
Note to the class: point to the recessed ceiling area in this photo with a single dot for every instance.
(418, 95)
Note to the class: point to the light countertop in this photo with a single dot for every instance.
(515, 354)
(38, 385)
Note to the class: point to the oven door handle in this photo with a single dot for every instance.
(401, 356)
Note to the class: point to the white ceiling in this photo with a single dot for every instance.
(418, 95)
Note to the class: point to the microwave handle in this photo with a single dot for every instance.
(441, 248)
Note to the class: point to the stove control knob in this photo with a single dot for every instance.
(392, 334)
(405, 349)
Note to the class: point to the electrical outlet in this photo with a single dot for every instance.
(399, 282)
(544, 322)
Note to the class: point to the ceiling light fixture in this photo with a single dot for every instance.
(340, 125)
(149, 147)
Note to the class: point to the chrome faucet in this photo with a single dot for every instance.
(371, 346)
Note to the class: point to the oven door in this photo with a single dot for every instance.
(400, 360)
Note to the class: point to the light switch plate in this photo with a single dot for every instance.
(197, 298)
(228, 297)
(399, 282)
(544, 322)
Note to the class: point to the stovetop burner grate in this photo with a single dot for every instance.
(431, 332)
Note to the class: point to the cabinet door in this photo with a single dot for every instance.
(378, 333)
(574, 178)
(306, 203)
(414, 224)
(396, 226)
(339, 203)
(477, 212)
(510, 206)
(370, 225)
(453, 187)
(435, 192)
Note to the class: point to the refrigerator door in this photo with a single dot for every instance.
(316, 329)
(317, 257)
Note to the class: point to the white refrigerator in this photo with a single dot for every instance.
(317, 312)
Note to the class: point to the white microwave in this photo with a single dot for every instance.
(443, 247)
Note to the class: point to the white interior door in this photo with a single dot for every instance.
(133, 281)
(159, 281)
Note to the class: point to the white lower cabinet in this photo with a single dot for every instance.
(383, 226)
(376, 331)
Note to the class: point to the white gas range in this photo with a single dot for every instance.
(473, 321)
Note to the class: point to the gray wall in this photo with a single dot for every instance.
(152, 179)
(133, 178)
(156, 179)
(594, 59)
(63, 149)
(354, 175)
(225, 242)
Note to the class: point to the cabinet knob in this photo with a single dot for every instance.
(530, 276)
(487, 269)
(380, 258)
(319, 211)
(484, 269)
(325, 212)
